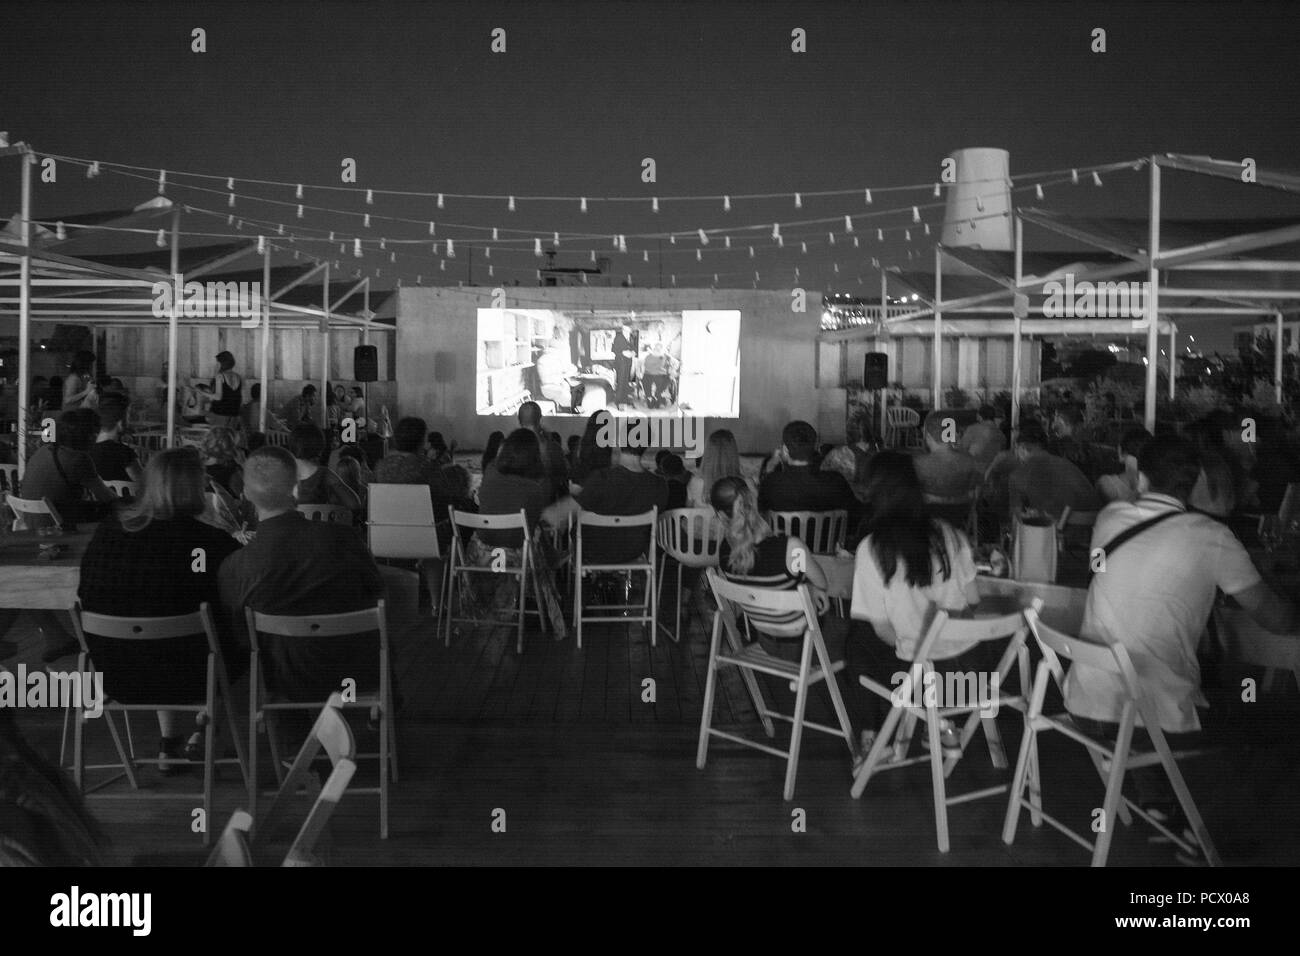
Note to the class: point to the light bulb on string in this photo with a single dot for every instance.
(280, 229)
(848, 223)
(1038, 191)
(803, 247)
(356, 248)
(699, 256)
(162, 182)
(442, 265)
(672, 238)
(230, 200)
(751, 252)
(299, 210)
(867, 196)
(830, 238)
(298, 195)
(92, 170)
(451, 249)
(726, 240)
(654, 204)
(937, 193)
(370, 197)
(798, 201)
(511, 204)
(60, 233)
(704, 238)
(776, 230)
(907, 234)
(582, 205)
(645, 255)
(927, 228)
(979, 203)
(1096, 178)
(880, 235)
(537, 247)
(1074, 176)
(555, 239)
(331, 235)
(366, 221)
(726, 204)
(855, 242)
(440, 203)
(487, 252)
(261, 242)
(162, 240)
(916, 214)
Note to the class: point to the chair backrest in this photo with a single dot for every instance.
(9, 479)
(1289, 510)
(1109, 658)
(901, 415)
(124, 489)
(822, 531)
(766, 608)
(22, 507)
(232, 846)
(332, 734)
(646, 519)
(1075, 519)
(145, 628)
(330, 513)
(278, 438)
(318, 625)
(691, 536)
(473, 521)
(953, 630)
(400, 522)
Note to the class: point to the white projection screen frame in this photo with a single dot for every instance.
(575, 362)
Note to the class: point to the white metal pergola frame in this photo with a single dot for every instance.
(84, 292)
(1203, 257)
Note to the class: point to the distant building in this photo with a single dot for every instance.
(552, 275)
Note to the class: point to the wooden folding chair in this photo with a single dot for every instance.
(767, 604)
(691, 537)
(334, 514)
(232, 846)
(921, 677)
(331, 734)
(1112, 762)
(822, 531)
(400, 524)
(649, 611)
(216, 693)
(31, 513)
(379, 703)
(525, 572)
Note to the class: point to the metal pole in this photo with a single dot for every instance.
(325, 354)
(1015, 326)
(937, 362)
(1173, 357)
(173, 323)
(266, 336)
(24, 310)
(1152, 312)
(883, 400)
(1277, 361)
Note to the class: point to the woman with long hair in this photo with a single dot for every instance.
(721, 459)
(154, 558)
(227, 392)
(79, 388)
(317, 484)
(752, 553)
(492, 450)
(221, 460)
(591, 455)
(908, 563)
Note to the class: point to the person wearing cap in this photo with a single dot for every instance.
(227, 390)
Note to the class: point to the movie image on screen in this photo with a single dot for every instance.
(638, 363)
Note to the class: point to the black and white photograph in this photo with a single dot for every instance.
(652, 435)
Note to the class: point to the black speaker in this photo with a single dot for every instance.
(875, 370)
(365, 363)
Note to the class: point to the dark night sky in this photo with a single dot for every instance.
(711, 91)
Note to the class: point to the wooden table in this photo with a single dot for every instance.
(28, 583)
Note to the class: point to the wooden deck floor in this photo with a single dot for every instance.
(589, 773)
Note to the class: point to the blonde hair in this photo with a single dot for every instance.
(720, 458)
(174, 483)
(744, 525)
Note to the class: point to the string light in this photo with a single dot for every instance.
(654, 204)
(370, 197)
(726, 241)
(1096, 178)
(848, 223)
(582, 206)
(537, 247)
(366, 221)
(451, 249)
(92, 170)
(299, 210)
(916, 214)
(867, 196)
(798, 201)
(704, 238)
(162, 181)
(231, 201)
(511, 205)
(440, 203)
(432, 230)
(1038, 191)
(1074, 176)
(830, 237)
(356, 248)
(937, 193)
(726, 204)
(261, 242)
(298, 194)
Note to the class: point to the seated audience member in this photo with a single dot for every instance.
(518, 482)
(1277, 463)
(590, 454)
(946, 473)
(408, 465)
(674, 472)
(493, 448)
(301, 408)
(221, 460)
(1220, 486)
(1155, 598)
(1045, 482)
(908, 564)
(296, 566)
(721, 459)
(1126, 485)
(752, 553)
(797, 486)
(195, 404)
(63, 472)
(851, 460)
(557, 470)
(1068, 443)
(350, 466)
(621, 486)
(438, 452)
(250, 413)
(140, 563)
(114, 461)
(317, 485)
(983, 440)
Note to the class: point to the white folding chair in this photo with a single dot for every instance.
(232, 846)
(124, 489)
(524, 572)
(628, 524)
(332, 734)
(334, 514)
(770, 604)
(691, 537)
(938, 705)
(903, 422)
(400, 524)
(30, 512)
(822, 531)
(379, 701)
(1112, 762)
(216, 693)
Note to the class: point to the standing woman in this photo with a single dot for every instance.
(227, 391)
(79, 390)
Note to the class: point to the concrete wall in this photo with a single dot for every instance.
(437, 343)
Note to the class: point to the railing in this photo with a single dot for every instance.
(836, 320)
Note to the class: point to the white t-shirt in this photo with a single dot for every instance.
(904, 608)
(1155, 598)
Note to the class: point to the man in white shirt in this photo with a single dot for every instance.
(1155, 597)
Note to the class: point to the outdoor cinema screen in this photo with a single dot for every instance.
(578, 362)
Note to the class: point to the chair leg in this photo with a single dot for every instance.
(796, 728)
(833, 689)
(272, 739)
(392, 747)
(128, 763)
(63, 738)
(577, 605)
(710, 684)
(1018, 784)
(385, 755)
(1114, 792)
(78, 749)
(652, 606)
(1185, 800)
(884, 738)
(522, 608)
(209, 771)
(1125, 817)
(936, 776)
(451, 598)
